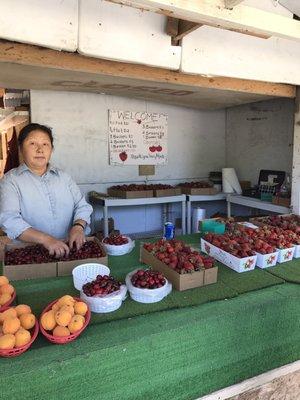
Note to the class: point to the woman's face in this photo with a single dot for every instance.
(36, 150)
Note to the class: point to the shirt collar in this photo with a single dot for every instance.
(23, 167)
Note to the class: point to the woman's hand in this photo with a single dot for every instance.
(76, 236)
(56, 247)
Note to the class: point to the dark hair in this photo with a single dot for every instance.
(24, 132)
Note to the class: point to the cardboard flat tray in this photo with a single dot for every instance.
(30, 271)
(131, 194)
(180, 281)
(199, 191)
(261, 220)
(166, 192)
(281, 201)
(46, 270)
(235, 263)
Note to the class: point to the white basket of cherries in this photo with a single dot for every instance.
(104, 294)
(118, 245)
(147, 286)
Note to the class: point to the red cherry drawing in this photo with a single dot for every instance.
(123, 156)
(152, 149)
(159, 148)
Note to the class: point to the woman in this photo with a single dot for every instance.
(40, 203)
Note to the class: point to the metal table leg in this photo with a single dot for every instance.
(165, 213)
(105, 218)
(183, 217)
(189, 216)
(228, 206)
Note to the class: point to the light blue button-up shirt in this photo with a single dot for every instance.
(49, 203)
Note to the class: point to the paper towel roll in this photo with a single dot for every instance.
(230, 181)
(198, 215)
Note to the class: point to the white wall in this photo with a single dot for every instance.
(51, 24)
(108, 30)
(100, 29)
(260, 136)
(296, 158)
(219, 52)
(196, 141)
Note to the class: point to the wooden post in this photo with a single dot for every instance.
(296, 158)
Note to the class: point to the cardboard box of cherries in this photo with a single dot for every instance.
(27, 260)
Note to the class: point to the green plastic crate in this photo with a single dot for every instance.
(211, 225)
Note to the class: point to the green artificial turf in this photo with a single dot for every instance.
(289, 271)
(168, 355)
(39, 292)
(190, 344)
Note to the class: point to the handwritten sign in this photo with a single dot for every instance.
(137, 138)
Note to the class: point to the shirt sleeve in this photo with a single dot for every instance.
(82, 209)
(11, 220)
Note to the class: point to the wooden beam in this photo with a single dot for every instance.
(172, 26)
(177, 29)
(232, 3)
(244, 19)
(186, 27)
(35, 56)
(30, 67)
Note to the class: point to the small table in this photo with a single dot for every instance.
(254, 203)
(107, 202)
(200, 198)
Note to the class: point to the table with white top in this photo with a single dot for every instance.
(199, 198)
(253, 202)
(107, 202)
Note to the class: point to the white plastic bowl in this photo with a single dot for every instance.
(87, 272)
(115, 250)
(107, 303)
(147, 295)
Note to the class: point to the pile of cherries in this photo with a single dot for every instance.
(101, 286)
(115, 240)
(38, 254)
(131, 187)
(148, 279)
(201, 184)
(35, 254)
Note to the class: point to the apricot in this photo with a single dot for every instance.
(48, 320)
(68, 308)
(7, 342)
(7, 288)
(27, 321)
(22, 337)
(81, 317)
(22, 309)
(1, 331)
(9, 313)
(11, 325)
(76, 324)
(4, 298)
(3, 280)
(60, 331)
(66, 300)
(80, 308)
(63, 318)
(55, 307)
